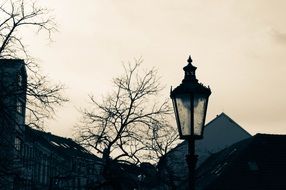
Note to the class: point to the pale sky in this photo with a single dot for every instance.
(239, 47)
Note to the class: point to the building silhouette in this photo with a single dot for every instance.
(257, 163)
(31, 159)
(13, 83)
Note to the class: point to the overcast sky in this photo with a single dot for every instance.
(239, 47)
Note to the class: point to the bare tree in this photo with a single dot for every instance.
(16, 15)
(122, 124)
(42, 97)
(162, 137)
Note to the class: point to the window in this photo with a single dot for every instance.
(252, 166)
(20, 108)
(18, 143)
(20, 80)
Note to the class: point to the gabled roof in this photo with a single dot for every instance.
(255, 163)
(65, 147)
(223, 115)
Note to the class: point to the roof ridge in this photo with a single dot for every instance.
(269, 135)
(218, 116)
(228, 117)
(11, 59)
(50, 134)
(49, 138)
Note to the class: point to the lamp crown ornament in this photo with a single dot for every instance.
(190, 71)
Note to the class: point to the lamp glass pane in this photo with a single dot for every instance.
(176, 113)
(200, 103)
(184, 112)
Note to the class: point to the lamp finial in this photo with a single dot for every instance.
(190, 59)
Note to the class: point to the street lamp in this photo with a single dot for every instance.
(190, 101)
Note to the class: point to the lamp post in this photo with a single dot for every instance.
(190, 100)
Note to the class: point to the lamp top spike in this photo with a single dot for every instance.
(190, 59)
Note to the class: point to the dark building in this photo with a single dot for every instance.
(257, 163)
(53, 162)
(13, 82)
(31, 159)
